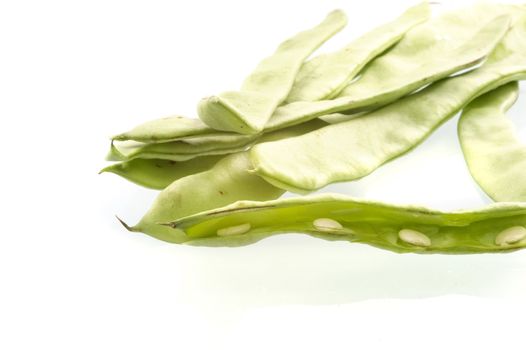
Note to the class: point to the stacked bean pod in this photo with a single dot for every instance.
(221, 175)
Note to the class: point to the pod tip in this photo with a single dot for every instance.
(126, 226)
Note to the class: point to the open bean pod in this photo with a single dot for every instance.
(227, 181)
(222, 178)
(496, 228)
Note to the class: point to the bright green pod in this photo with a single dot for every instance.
(495, 156)
(350, 150)
(498, 227)
(325, 76)
(247, 111)
(157, 174)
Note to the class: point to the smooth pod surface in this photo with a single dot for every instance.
(166, 129)
(247, 111)
(385, 88)
(353, 149)
(325, 76)
(228, 181)
(495, 228)
(432, 51)
(205, 145)
(450, 39)
(495, 156)
(157, 174)
(177, 150)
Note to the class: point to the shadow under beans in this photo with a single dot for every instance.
(293, 269)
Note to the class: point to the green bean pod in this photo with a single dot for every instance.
(248, 110)
(448, 46)
(438, 65)
(496, 158)
(168, 129)
(177, 151)
(429, 52)
(146, 170)
(350, 150)
(204, 145)
(157, 174)
(228, 181)
(498, 227)
(325, 76)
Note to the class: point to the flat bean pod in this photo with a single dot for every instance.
(205, 145)
(180, 150)
(226, 182)
(248, 110)
(350, 150)
(438, 66)
(498, 227)
(496, 158)
(216, 198)
(176, 150)
(448, 41)
(167, 129)
(427, 53)
(157, 174)
(325, 76)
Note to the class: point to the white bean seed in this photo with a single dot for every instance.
(414, 237)
(511, 235)
(234, 230)
(327, 225)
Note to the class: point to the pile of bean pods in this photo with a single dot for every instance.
(377, 98)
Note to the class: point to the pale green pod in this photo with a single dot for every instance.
(157, 174)
(498, 227)
(204, 145)
(167, 129)
(325, 76)
(226, 182)
(428, 53)
(182, 141)
(350, 150)
(176, 128)
(178, 150)
(439, 65)
(247, 111)
(495, 156)
(457, 49)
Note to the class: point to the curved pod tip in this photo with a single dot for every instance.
(126, 226)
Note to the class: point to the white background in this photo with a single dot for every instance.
(72, 73)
